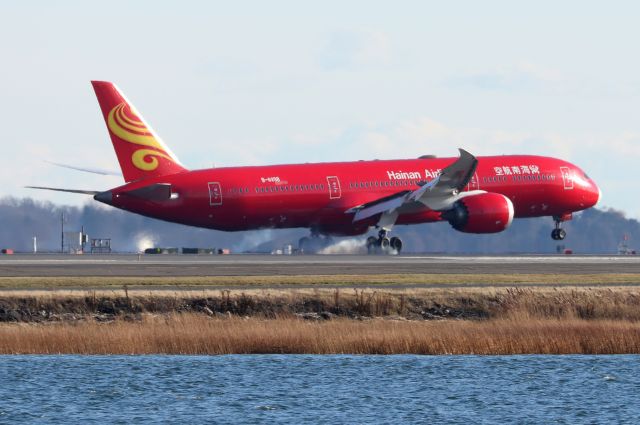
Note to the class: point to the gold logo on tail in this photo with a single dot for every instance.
(125, 123)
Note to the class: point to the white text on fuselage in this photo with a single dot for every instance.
(510, 170)
(413, 175)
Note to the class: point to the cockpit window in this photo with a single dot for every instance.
(586, 176)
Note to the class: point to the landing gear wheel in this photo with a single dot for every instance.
(396, 244)
(383, 244)
(558, 234)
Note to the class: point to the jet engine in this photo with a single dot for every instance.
(482, 213)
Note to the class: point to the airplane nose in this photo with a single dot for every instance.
(594, 194)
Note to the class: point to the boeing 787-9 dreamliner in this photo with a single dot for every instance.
(474, 194)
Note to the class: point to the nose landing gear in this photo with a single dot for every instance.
(558, 233)
(383, 244)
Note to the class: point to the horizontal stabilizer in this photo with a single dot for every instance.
(82, 192)
(100, 171)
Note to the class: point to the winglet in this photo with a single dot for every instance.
(460, 172)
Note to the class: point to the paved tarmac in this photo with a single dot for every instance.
(269, 265)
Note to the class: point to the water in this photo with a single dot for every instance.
(319, 389)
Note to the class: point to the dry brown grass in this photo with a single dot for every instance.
(196, 334)
(458, 321)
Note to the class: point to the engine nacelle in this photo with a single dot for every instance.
(482, 213)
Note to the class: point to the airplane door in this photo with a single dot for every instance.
(334, 187)
(215, 194)
(567, 178)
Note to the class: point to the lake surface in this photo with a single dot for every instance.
(319, 389)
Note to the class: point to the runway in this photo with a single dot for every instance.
(274, 265)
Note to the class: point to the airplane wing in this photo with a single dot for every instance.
(439, 194)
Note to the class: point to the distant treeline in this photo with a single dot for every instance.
(593, 231)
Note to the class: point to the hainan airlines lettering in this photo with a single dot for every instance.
(413, 175)
(403, 175)
(339, 198)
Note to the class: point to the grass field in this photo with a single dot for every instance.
(97, 282)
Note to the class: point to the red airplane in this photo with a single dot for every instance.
(475, 195)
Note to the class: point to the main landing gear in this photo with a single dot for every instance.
(383, 244)
(558, 233)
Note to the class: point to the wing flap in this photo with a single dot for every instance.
(379, 206)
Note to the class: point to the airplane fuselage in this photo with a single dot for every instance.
(318, 195)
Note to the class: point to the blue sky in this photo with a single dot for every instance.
(238, 83)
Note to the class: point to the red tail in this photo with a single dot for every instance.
(140, 151)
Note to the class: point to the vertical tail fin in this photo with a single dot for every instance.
(141, 153)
